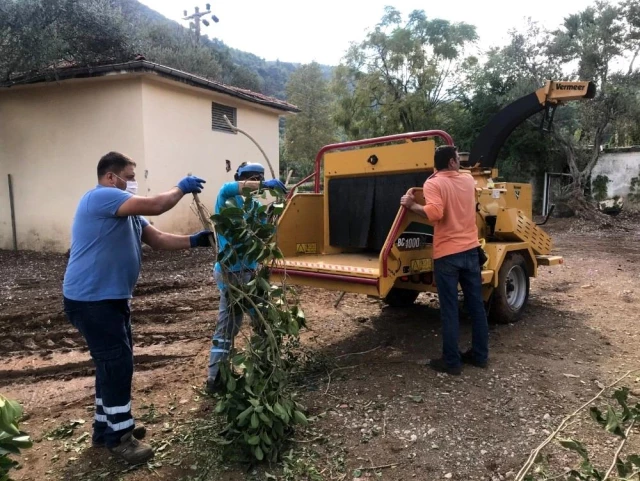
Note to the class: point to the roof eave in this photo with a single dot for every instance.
(144, 65)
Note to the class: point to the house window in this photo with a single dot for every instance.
(218, 111)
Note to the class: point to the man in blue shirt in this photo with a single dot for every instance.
(248, 176)
(102, 271)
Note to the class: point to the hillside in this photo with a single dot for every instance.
(166, 41)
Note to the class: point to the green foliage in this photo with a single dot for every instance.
(38, 35)
(396, 79)
(510, 72)
(308, 131)
(616, 418)
(599, 188)
(634, 189)
(259, 403)
(12, 439)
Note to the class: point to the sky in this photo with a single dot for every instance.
(300, 31)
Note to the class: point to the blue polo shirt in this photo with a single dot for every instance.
(106, 250)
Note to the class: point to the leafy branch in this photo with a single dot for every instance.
(12, 440)
(617, 418)
(259, 400)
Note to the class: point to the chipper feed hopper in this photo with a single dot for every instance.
(355, 237)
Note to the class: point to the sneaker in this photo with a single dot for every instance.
(440, 366)
(468, 358)
(139, 432)
(132, 450)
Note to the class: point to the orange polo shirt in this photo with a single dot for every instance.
(451, 207)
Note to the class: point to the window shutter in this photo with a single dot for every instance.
(218, 111)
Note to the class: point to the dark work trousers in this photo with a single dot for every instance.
(464, 269)
(106, 326)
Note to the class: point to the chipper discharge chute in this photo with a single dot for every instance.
(355, 237)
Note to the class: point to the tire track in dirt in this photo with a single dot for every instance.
(142, 362)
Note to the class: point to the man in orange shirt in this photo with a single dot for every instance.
(451, 208)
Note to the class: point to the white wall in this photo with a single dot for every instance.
(51, 138)
(619, 167)
(178, 139)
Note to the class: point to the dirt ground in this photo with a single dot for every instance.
(378, 406)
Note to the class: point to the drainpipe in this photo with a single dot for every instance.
(13, 214)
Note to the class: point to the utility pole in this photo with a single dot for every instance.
(197, 18)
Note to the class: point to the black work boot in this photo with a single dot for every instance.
(214, 386)
(440, 366)
(467, 357)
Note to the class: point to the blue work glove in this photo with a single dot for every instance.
(275, 184)
(191, 184)
(201, 239)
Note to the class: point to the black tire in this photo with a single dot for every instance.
(512, 294)
(398, 297)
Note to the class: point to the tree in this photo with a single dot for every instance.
(398, 78)
(312, 128)
(595, 39)
(631, 12)
(510, 72)
(39, 36)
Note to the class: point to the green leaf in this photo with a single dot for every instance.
(621, 395)
(258, 453)
(613, 423)
(576, 446)
(255, 421)
(621, 467)
(244, 414)
(265, 438)
(10, 448)
(266, 419)
(231, 384)
(264, 284)
(22, 442)
(279, 429)
(254, 440)
(634, 459)
(16, 408)
(300, 418)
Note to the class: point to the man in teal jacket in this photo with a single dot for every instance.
(248, 176)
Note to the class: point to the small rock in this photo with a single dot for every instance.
(448, 476)
(69, 342)
(414, 438)
(158, 337)
(50, 343)
(510, 475)
(547, 417)
(431, 431)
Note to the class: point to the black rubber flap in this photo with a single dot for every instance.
(362, 209)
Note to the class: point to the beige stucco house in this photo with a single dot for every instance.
(52, 134)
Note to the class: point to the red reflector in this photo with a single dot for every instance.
(404, 278)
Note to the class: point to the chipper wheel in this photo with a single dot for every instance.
(511, 296)
(401, 297)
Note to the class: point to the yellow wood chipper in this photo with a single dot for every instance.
(355, 237)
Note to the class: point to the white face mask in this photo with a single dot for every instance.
(132, 187)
